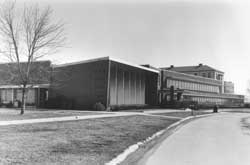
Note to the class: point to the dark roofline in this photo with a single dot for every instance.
(194, 66)
(207, 70)
(106, 58)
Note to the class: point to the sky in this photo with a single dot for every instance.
(158, 32)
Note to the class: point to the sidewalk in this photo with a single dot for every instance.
(68, 118)
(104, 114)
(171, 110)
(162, 111)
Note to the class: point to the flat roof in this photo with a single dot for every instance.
(196, 68)
(106, 58)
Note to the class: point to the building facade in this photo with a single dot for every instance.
(205, 90)
(113, 83)
(116, 84)
(37, 89)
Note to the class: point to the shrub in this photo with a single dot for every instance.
(9, 105)
(99, 107)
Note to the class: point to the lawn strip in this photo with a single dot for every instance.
(87, 142)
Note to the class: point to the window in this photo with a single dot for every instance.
(6, 95)
(178, 84)
(188, 86)
(209, 75)
(168, 83)
(195, 74)
(204, 75)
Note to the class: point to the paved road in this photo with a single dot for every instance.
(215, 140)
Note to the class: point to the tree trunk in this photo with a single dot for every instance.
(23, 100)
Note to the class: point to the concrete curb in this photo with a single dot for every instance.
(131, 149)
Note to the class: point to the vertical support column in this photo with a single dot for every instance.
(38, 97)
(123, 86)
(135, 88)
(12, 96)
(161, 86)
(222, 87)
(129, 87)
(140, 81)
(108, 87)
(116, 84)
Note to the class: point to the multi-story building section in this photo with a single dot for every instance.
(203, 90)
(228, 87)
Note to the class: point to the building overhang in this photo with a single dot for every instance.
(107, 58)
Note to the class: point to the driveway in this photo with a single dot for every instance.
(215, 140)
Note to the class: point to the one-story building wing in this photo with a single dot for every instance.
(11, 86)
(111, 82)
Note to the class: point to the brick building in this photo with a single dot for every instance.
(10, 88)
(202, 84)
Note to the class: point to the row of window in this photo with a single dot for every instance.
(218, 76)
(192, 86)
(219, 101)
(9, 95)
(205, 74)
(210, 100)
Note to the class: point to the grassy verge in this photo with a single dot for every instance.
(88, 142)
(183, 114)
(6, 115)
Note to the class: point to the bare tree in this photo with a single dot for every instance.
(28, 34)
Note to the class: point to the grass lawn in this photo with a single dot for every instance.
(11, 114)
(88, 142)
(184, 114)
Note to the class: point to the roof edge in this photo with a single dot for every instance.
(106, 58)
(80, 62)
(28, 86)
(133, 65)
(210, 68)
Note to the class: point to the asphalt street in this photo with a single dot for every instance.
(215, 140)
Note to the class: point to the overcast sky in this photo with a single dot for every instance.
(158, 32)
